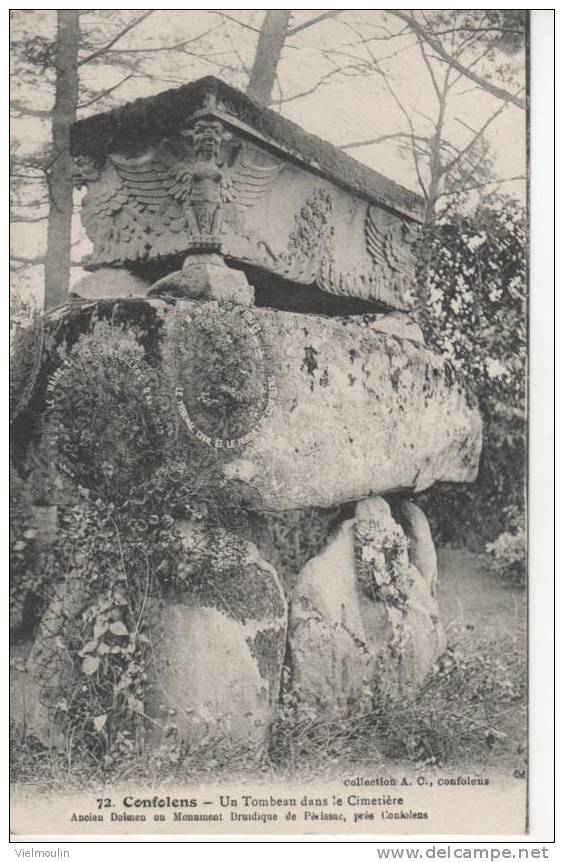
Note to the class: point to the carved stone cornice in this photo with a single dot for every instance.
(203, 170)
(174, 197)
(150, 119)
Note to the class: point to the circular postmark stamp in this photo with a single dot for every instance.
(225, 387)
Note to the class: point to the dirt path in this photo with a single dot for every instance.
(471, 595)
(487, 620)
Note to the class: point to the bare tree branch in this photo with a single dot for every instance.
(21, 220)
(330, 14)
(227, 17)
(177, 47)
(430, 69)
(481, 186)
(104, 93)
(34, 177)
(29, 261)
(405, 113)
(492, 29)
(380, 140)
(20, 108)
(478, 134)
(131, 26)
(316, 86)
(435, 44)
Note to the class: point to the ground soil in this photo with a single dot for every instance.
(486, 624)
(472, 595)
(482, 613)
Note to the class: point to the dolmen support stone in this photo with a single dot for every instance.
(260, 283)
(364, 621)
(218, 652)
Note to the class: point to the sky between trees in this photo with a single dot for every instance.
(360, 79)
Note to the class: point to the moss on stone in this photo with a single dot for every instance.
(57, 334)
(148, 121)
(267, 647)
(241, 589)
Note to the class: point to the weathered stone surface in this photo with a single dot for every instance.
(219, 173)
(399, 324)
(218, 651)
(37, 682)
(329, 410)
(331, 666)
(421, 548)
(206, 276)
(363, 622)
(23, 693)
(110, 281)
(357, 413)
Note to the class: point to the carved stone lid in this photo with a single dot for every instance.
(133, 126)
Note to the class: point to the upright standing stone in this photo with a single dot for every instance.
(364, 626)
(218, 648)
(421, 548)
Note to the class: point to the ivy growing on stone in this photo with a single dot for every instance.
(122, 472)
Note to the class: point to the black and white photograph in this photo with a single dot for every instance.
(269, 422)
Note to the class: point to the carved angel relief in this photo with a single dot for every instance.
(389, 245)
(175, 199)
(390, 280)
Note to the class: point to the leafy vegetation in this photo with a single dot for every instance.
(123, 473)
(509, 552)
(473, 278)
(472, 709)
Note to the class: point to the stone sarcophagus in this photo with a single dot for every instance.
(203, 170)
(244, 334)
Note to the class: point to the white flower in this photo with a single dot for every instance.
(494, 368)
(476, 241)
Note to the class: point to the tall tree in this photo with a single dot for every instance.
(74, 64)
(273, 34)
(269, 48)
(59, 173)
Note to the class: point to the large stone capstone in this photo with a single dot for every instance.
(357, 413)
(302, 410)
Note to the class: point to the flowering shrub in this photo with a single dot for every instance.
(509, 552)
(472, 274)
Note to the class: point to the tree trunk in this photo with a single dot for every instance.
(59, 177)
(269, 48)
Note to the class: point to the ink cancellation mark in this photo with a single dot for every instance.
(226, 392)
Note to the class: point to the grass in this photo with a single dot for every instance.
(471, 714)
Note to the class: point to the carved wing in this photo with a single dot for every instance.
(387, 245)
(248, 179)
(132, 208)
